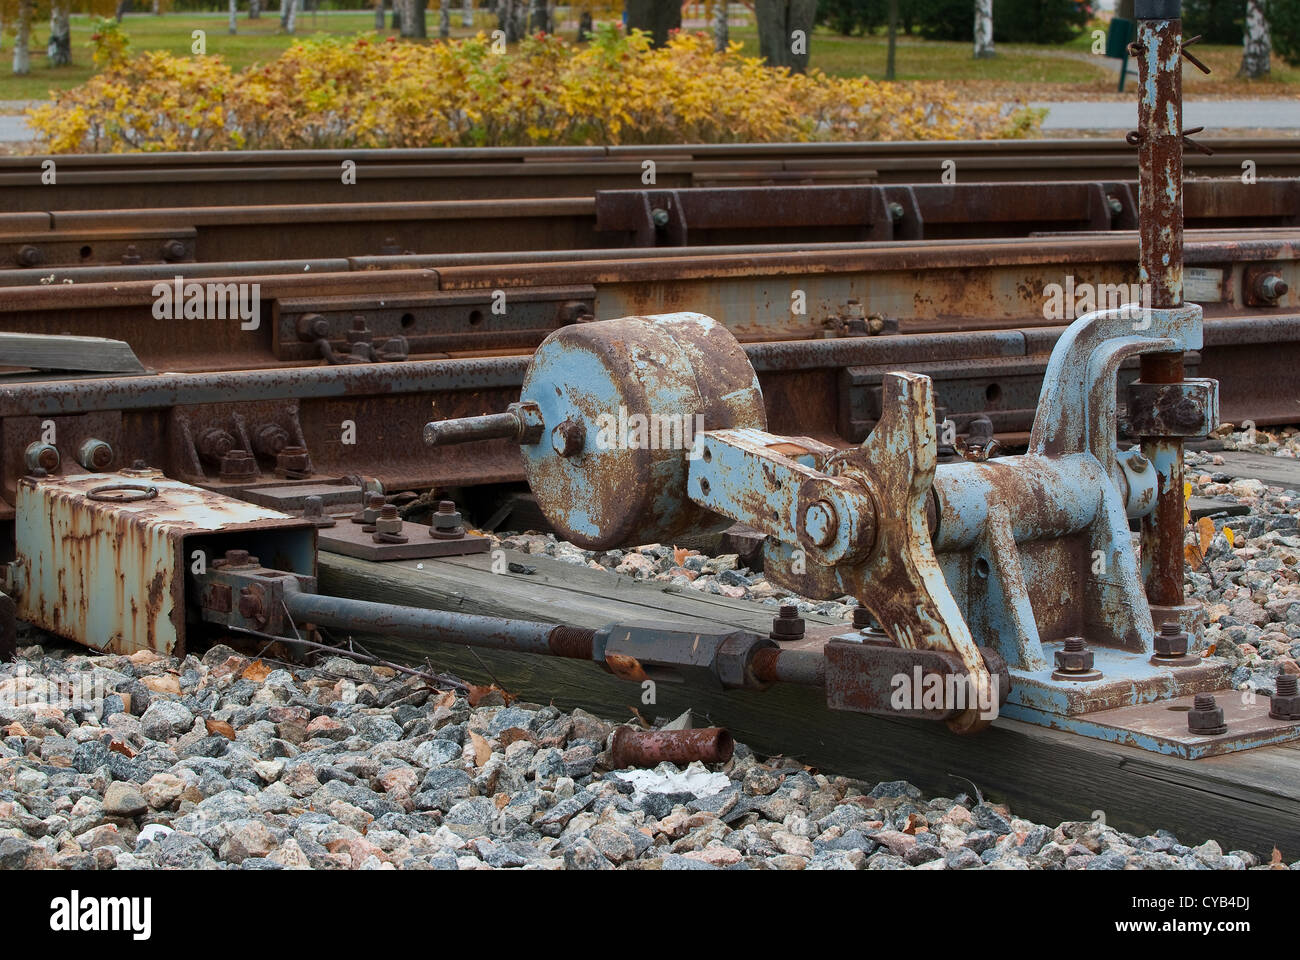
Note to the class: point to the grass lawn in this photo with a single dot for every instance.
(1021, 72)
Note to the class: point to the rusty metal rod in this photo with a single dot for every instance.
(414, 623)
(493, 426)
(649, 748)
(1160, 229)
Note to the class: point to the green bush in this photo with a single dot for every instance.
(1284, 25)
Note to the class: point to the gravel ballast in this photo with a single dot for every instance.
(227, 762)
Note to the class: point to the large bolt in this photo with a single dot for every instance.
(1206, 717)
(238, 465)
(95, 455)
(861, 618)
(1285, 702)
(1171, 641)
(213, 444)
(132, 255)
(173, 250)
(44, 456)
(359, 333)
(896, 211)
(252, 606)
(569, 437)
(1270, 286)
(293, 460)
(369, 513)
(312, 327)
(29, 256)
(269, 439)
(388, 526)
(447, 523)
(787, 624)
(820, 522)
(313, 509)
(659, 217)
(1075, 657)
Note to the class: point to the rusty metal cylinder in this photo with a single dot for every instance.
(649, 748)
(640, 391)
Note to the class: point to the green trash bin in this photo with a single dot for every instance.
(1122, 32)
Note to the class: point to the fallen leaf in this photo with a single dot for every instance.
(679, 555)
(118, 746)
(445, 699)
(641, 719)
(1230, 535)
(1214, 645)
(220, 727)
(256, 672)
(1205, 532)
(625, 667)
(482, 749)
(1192, 555)
(513, 734)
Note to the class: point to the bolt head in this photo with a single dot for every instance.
(1074, 661)
(820, 522)
(1284, 708)
(568, 438)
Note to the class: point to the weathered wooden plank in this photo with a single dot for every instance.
(1248, 800)
(1275, 471)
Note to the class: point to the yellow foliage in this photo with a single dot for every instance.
(373, 92)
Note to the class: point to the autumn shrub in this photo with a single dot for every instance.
(373, 92)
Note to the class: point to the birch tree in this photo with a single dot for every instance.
(233, 26)
(288, 15)
(720, 37)
(23, 37)
(1257, 46)
(467, 14)
(983, 28)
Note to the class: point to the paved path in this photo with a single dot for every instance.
(1214, 115)
(14, 129)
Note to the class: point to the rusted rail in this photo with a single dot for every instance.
(135, 181)
(58, 240)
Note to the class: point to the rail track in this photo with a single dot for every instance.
(144, 180)
(87, 244)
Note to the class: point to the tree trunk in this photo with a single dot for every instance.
(414, 11)
(720, 36)
(155, 8)
(984, 28)
(467, 15)
(234, 25)
(254, 9)
(379, 14)
(444, 19)
(784, 28)
(538, 17)
(655, 17)
(288, 15)
(893, 39)
(1257, 47)
(122, 7)
(23, 37)
(59, 49)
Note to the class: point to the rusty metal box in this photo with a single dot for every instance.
(102, 558)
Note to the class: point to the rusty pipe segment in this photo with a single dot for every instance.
(649, 748)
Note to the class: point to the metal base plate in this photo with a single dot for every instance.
(1162, 726)
(350, 540)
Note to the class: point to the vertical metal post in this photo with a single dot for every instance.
(1160, 200)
